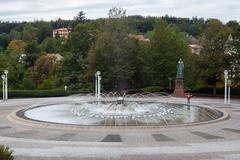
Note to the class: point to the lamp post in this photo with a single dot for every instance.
(225, 88)
(229, 88)
(6, 84)
(97, 84)
(65, 88)
(3, 83)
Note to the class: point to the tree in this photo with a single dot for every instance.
(80, 40)
(44, 30)
(71, 70)
(116, 12)
(167, 46)
(48, 45)
(32, 53)
(17, 46)
(43, 68)
(4, 40)
(73, 65)
(234, 51)
(30, 33)
(10, 61)
(213, 59)
(234, 26)
(15, 35)
(115, 54)
(80, 17)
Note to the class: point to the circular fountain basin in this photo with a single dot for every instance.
(113, 113)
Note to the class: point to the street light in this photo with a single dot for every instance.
(225, 88)
(3, 83)
(97, 84)
(6, 84)
(229, 87)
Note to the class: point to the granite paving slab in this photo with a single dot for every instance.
(206, 135)
(112, 138)
(232, 130)
(161, 137)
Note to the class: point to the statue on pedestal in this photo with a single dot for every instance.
(180, 68)
(179, 88)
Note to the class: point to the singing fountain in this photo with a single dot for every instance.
(112, 109)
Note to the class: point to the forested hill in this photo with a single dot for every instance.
(137, 23)
(132, 52)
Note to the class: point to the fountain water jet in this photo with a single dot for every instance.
(145, 109)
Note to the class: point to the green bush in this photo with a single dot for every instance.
(152, 89)
(146, 89)
(6, 153)
(219, 91)
(38, 93)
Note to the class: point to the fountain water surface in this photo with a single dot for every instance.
(145, 109)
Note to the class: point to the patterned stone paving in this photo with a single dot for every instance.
(206, 135)
(236, 110)
(215, 141)
(161, 138)
(5, 127)
(232, 130)
(112, 138)
(64, 137)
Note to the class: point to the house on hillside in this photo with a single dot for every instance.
(61, 32)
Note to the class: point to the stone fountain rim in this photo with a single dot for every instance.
(16, 117)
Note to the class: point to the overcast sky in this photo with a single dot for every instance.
(29, 10)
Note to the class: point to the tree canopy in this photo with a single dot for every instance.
(132, 52)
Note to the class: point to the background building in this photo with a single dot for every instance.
(62, 32)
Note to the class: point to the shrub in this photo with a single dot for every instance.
(38, 93)
(146, 89)
(6, 153)
(152, 89)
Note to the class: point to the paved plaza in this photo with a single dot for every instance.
(35, 141)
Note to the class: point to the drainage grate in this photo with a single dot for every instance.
(206, 135)
(162, 138)
(232, 130)
(112, 138)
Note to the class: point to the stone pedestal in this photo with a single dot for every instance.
(179, 88)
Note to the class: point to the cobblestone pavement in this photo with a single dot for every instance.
(213, 141)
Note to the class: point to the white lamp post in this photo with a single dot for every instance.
(225, 89)
(97, 84)
(6, 84)
(229, 88)
(3, 83)
(99, 87)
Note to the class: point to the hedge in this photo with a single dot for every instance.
(38, 93)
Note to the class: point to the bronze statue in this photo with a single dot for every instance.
(180, 68)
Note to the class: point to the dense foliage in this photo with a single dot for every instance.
(6, 153)
(112, 46)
